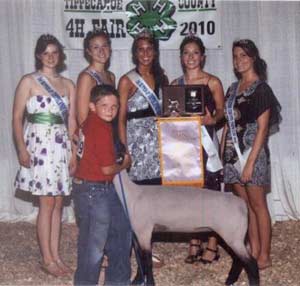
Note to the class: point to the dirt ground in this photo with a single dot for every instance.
(19, 259)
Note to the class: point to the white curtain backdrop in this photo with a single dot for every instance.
(274, 26)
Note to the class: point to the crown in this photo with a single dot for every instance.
(146, 33)
(48, 37)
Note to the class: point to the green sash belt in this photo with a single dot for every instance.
(44, 118)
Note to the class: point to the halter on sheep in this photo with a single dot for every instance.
(187, 209)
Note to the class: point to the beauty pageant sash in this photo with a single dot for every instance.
(146, 91)
(43, 81)
(232, 127)
(95, 76)
(213, 163)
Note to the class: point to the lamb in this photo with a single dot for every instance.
(187, 209)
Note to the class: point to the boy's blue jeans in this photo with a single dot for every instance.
(103, 224)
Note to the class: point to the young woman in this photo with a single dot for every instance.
(251, 110)
(192, 54)
(44, 149)
(137, 127)
(97, 51)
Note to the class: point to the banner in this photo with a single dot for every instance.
(180, 149)
(169, 21)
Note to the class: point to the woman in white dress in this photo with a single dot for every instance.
(46, 99)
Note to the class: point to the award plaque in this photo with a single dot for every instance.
(181, 100)
(194, 100)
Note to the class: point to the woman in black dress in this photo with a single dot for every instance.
(252, 113)
(192, 54)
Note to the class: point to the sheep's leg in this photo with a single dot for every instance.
(148, 269)
(139, 278)
(144, 276)
(252, 271)
(242, 259)
(235, 271)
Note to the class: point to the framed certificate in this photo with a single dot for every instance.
(183, 100)
(180, 151)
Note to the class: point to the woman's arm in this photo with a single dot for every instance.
(72, 111)
(112, 78)
(83, 91)
(21, 96)
(216, 88)
(116, 168)
(125, 89)
(259, 140)
(72, 126)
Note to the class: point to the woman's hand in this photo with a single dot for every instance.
(24, 158)
(247, 172)
(127, 161)
(72, 165)
(208, 119)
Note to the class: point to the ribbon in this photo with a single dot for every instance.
(146, 91)
(94, 75)
(44, 118)
(42, 80)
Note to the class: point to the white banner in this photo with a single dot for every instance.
(181, 160)
(170, 21)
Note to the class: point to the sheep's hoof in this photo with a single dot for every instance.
(230, 282)
(138, 280)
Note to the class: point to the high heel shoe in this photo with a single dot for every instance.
(216, 258)
(192, 258)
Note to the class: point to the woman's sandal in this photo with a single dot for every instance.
(52, 269)
(216, 258)
(66, 269)
(192, 258)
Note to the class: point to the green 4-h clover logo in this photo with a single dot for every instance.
(154, 16)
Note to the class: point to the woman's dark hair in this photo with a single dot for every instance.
(192, 39)
(41, 45)
(156, 70)
(195, 40)
(259, 65)
(87, 41)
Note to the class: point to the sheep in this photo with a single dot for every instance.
(188, 210)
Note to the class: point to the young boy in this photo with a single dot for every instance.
(101, 217)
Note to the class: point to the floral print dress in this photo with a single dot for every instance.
(50, 150)
(142, 139)
(248, 106)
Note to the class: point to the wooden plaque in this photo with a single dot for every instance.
(183, 100)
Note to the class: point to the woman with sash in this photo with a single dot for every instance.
(252, 113)
(97, 51)
(44, 148)
(192, 55)
(140, 103)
